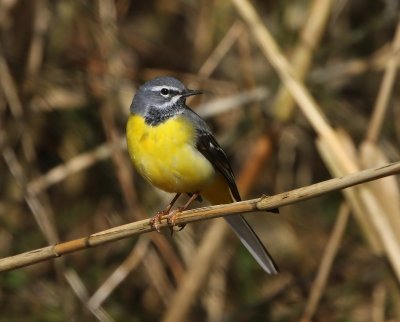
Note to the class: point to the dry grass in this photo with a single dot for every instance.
(316, 96)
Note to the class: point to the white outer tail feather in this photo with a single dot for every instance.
(253, 244)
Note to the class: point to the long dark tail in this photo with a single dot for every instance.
(219, 193)
(253, 244)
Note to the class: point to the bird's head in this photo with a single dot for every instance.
(160, 98)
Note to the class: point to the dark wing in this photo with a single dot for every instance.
(212, 151)
(209, 147)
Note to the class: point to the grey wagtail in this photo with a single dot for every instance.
(174, 149)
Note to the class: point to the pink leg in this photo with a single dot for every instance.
(156, 220)
(171, 217)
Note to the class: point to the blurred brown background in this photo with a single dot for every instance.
(68, 72)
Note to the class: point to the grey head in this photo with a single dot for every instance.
(160, 98)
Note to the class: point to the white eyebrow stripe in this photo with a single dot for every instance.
(171, 102)
(175, 99)
(159, 88)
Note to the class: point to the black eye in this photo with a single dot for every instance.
(164, 91)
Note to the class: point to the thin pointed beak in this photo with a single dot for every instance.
(191, 92)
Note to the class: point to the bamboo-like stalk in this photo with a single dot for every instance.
(263, 203)
(302, 56)
(385, 90)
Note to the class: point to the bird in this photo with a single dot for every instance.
(173, 148)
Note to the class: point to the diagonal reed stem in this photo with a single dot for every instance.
(142, 226)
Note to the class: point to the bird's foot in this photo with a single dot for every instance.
(155, 221)
(171, 218)
(171, 215)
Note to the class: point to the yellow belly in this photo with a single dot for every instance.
(166, 156)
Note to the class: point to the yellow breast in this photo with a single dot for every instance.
(166, 155)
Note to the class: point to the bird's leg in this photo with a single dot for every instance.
(171, 217)
(156, 220)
